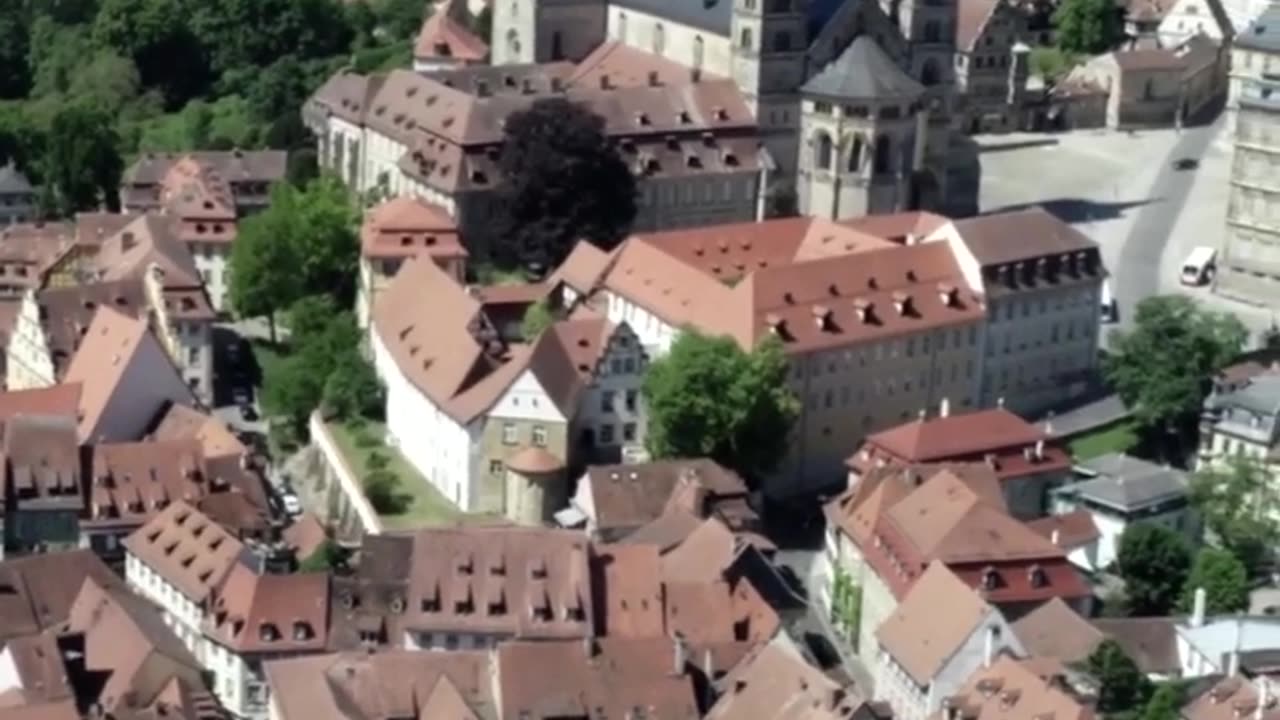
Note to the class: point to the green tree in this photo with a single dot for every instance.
(1224, 579)
(1238, 501)
(1153, 561)
(707, 397)
(291, 390)
(536, 319)
(1121, 685)
(1163, 367)
(154, 34)
(15, 34)
(81, 166)
(401, 19)
(264, 264)
(382, 488)
(329, 556)
(563, 182)
(57, 53)
(1165, 703)
(1087, 26)
(246, 34)
(324, 225)
(352, 388)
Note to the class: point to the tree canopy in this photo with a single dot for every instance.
(1224, 579)
(82, 167)
(1121, 685)
(564, 182)
(1153, 561)
(1238, 501)
(1087, 26)
(1163, 367)
(709, 398)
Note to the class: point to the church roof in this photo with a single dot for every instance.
(863, 71)
(710, 15)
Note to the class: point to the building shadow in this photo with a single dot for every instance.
(1017, 145)
(1078, 210)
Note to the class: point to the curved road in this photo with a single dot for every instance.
(1137, 274)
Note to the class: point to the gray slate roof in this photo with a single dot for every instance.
(13, 182)
(1128, 483)
(864, 71)
(1259, 395)
(710, 15)
(1264, 33)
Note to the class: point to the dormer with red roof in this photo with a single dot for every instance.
(1026, 460)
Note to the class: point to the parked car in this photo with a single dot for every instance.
(1186, 164)
(241, 395)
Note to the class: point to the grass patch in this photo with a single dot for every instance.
(415, 502)
(1117, 437)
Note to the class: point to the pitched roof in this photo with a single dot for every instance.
(181, 422)
(922, 634)
(444, 37)
(608, 677)
(1127, 483)
(524, 582)
(149, 240)
(236, 165)
(621, 65)
(1020, 693)
(66, 312)
(13, 182)
(40, 673)
(776, 683)
(1230, 698)
(705, 554)
(306, 535)
(1149, 59)
(583, 268)
(186, 548)
(385, 684)
(631, 590)
(1263, 33)
(405, 227)
(269, 613)
(1152, 642)
(971, 20)
(899, 227)
(956, 436)
(1055, 630)
(133, 481)
(864, 71)
(628, 496)
(37, 591)
(1014, 235)
(41, 457)
(1069, 530)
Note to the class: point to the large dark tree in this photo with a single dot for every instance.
(1121, 685)
(562, 182)
(1238, 500)
(155, 35)
(1088, 26)
(1153, 561)
(81, 165)
(1163, 367)
(15, 36)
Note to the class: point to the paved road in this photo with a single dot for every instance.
(1137, 274)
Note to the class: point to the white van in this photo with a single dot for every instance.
(1198, 268)
(1108, 312)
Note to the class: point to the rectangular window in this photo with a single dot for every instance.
(606, 434)
(539, 436)
(606, 401)
(495, 467)
(632, 400)
(508, 433)
(629, 432)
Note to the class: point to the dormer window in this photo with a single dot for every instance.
(864, 308)
(902, 303)
(822, 317)
(642, 119)
(947, 293)
(302, 631)
(1037, 577)
(990, 578)
(268, 632)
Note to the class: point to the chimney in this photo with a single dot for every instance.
(1233, 663)
(680, 654)
(1264, 698)
(1055, 537)
(1197, 612)
(1039, 449)
(989, 646)
(944, 410)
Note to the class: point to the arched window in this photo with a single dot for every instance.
(855, 154)
(513, 42)
(622, 28)
(884, 155)
(557, 46)
(698, 49)
(747, 42)
(659, 38)
(822, 152)
(929, 74)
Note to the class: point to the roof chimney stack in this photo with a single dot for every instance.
(1055, 537)
(1197, 612)
(989, 646)
(944, 410)
(1233, 663)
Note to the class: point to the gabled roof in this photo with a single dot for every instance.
(1023, 694)
(13, 182)
(442, 36)
(1014, 235)
(1127, 483)
(954, 436)
(269, 613)
(181, 422)
(37, 591)
(628, 496)
(922, 634)
(1263, 33)
(186, 548)
(1054, 630)
(150, 239)
(62, 399)
(972, 17)
(775, 682)
(864, 71)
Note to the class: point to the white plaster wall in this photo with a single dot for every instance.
(213, 263)
(29, 363)
(621, 371)
(526, 400)
(678, 40)
(434, 443)
(9, 678)
(654, 333)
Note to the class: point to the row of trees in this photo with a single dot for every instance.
(1161, 574)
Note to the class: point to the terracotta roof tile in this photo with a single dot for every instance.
(903, 228)
(42, 457)
(270, 613)
(306, 535)
(922, 633)
(1055, 630)
(131, 482)
(582, 269)
(37, 663)
(1151, 642)
(704, 554)
(625, 497)
(66, 312)
(626, 66)
(1009, 689)
(187, 548)
(1015, 235)
(406, 227)
(181, 422)
(776, 683)
(1229, 698)
(631, 590)
(1068, 531)
(37, 591)
(442, 36)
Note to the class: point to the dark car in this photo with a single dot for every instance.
(248, 412)
(1186, 164)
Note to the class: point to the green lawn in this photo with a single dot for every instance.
(1117, 437)
(423, 504)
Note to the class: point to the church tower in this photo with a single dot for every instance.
(768, 40)
(540, 31)
(862, 136)
(929, 27)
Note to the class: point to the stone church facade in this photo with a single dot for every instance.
(771, 49)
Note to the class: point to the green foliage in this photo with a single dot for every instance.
(1153, 561)
(1224, 579)
(329, 556)
(708, 398)
(382, 488)
(264, 263)
(377, 461)
(15, 76)
(1052, 63)
(382, 58)
(400, 19)
(1163, 366)
(81, 165)
(536, 319)
(846, 604)
(1165, 703)
(1121, 685)
(564, 182)
(1087, 26)
(1238, 501)
(352, 389)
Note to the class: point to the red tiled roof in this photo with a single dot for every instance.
(270, 613)
(442, 36)
(1068, 531)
